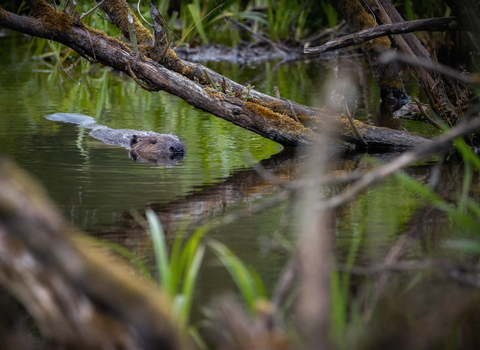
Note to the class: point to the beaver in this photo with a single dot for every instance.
(144, 146)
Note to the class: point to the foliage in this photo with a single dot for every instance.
(247, 279)
(178, 271)
(374, 219)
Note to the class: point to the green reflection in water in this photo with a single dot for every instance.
(95, 185)
(92, 182)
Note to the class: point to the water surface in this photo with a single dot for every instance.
(96, 186)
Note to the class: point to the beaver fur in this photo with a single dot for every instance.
(144, 146)
(147, 148)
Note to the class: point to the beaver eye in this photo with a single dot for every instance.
(153, 142)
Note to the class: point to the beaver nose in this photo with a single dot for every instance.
(177, 148)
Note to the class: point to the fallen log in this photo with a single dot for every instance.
(267, 116)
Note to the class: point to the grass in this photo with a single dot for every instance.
(177, 271)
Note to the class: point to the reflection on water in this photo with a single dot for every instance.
(96, 186)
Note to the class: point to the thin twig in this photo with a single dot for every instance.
(294, 114)
(275, 46)
(93, 49)
(277, 95)
(426, 116)
(140, 13)
(93, 9)
(201, 19)
(209, 78)
(142, 85)
(60, 64)
(67, 2)
(352, 123)
(438, 145)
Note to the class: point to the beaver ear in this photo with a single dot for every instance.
(133, 140)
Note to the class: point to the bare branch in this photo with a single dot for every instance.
(429, 65)
(425, 115)
(431, 24)
(440, 144)
(93, 9)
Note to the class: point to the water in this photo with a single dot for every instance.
(97, 187)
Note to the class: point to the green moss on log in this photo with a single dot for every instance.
(118, 11)
(283, 122)
(52, 20)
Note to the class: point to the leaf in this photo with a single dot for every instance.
(239, 272)
(161, 253)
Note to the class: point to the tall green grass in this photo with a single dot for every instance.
(178, 271)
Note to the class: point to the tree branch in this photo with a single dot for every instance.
(438, 145)
(431, 24)
(262, 114)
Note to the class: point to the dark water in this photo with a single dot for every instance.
(96, 186)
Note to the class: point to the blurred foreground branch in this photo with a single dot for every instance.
(439, 145)
(78, 298)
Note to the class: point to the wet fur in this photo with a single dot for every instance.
(151, 148)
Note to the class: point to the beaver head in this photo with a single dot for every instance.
(152, 148)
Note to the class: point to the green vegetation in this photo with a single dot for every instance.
(368, 226)
(207, 21)
(177, 272)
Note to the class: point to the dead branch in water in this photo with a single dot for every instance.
(409, 45)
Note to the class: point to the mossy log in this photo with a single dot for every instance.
(79, 298)
(267, 116)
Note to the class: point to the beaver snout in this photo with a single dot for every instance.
(177, 148)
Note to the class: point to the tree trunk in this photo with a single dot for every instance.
(386, 76)
(437, 88)
(267, 116)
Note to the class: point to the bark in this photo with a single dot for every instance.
(79, 298)
(267, 116)
(386, 76)
(432, 24)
